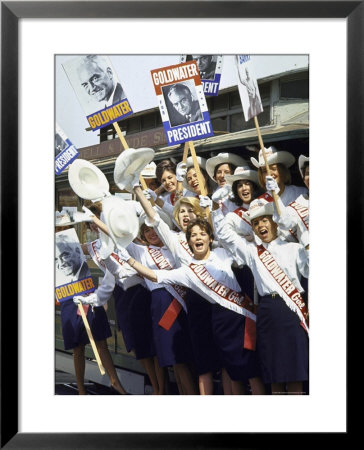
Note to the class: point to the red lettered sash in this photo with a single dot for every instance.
(221, 294)
(239, 212)
(302, 212)
(178, 292)
(95, 255)
(230, 299)
(285, 287)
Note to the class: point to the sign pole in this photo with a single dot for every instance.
(275, 196)
(184, 159)
(91, 338)
(198, 172)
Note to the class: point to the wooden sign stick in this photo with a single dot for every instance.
(198, 173)
(91, 338)
(275, 196)
(184, 159)
(125, 146)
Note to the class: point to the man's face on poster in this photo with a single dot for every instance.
(181, 101)
(203, 61)
(68, 258)
(96, 82)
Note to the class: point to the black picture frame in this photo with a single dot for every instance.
(11, 13)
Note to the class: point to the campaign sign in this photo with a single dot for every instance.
(248, 87)
(210, 67)
(73, 276)
(182, 103)
(98, 89)
(65, 151)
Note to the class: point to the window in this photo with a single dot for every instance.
(148, 121)
(294, 88)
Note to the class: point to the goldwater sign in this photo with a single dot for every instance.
(98, 90)
(182, 103)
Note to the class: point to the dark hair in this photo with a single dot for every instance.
(203, 224)
(256, 192)
(205, 175)
(162, 166)
(284, 173)
(232, 168)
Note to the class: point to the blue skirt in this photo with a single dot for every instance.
(199, 322)
(228, 330)
(245, 279)
(282, 343)
(172, 346)
(73, 329)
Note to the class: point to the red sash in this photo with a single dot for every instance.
(239, 212)
(171, 313)
(302, 212)
(230, 299)
(290, 294)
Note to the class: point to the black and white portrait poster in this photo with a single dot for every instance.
(98, 89)
(210, 67)
(182, 103)
(65, 151)
(248, 87)
(73, 276)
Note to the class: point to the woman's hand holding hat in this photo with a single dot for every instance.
(181, 171)
(271, 184)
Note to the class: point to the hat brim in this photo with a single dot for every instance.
(129, 163)
(281, 157)
(301, 161)
(266, 210)
(107, 245)
(87, 180)
(120, 220)
(230, 159)
(250, 175)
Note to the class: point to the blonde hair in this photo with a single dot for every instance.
(191, 201)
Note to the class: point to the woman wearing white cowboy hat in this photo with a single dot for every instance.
(279, 180)
(209, 274)
(132, 303)
(168, 176)
(282, 327)
(295, 217)
(190, 179)
(218, 167)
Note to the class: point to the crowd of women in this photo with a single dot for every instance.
(215, 285)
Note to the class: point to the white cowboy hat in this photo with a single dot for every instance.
(107, 244)
(128, 164)
(87, 180)
(273, 157)
(242, 173)
(121, 222)
(259, 207)
(301, 161)
(223, 158)
(149, 170)
(189, 163)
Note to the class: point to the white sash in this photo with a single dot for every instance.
(284, 286)
(221, 294)
(178, 292)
